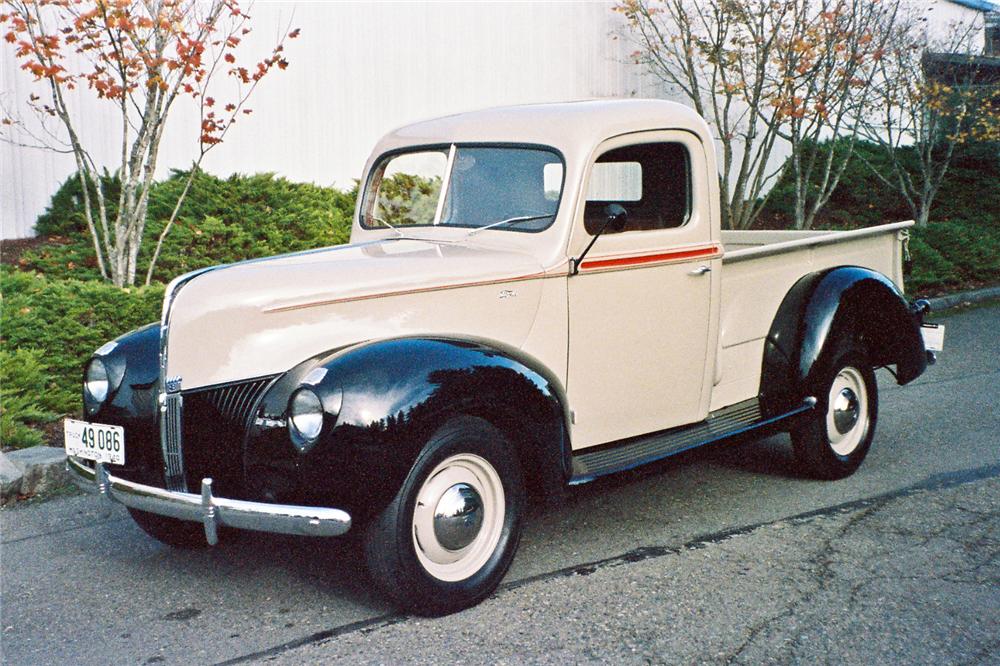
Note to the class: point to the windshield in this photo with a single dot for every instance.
(473, 187)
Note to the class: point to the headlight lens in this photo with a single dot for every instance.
(305, 417)
(95, 385)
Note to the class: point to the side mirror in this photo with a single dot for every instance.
(616, 217)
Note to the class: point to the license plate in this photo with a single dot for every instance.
(95, 441)
(933, 336)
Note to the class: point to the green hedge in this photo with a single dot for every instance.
(56, 310)
(23, 386)
(221, 221)
(48, 329)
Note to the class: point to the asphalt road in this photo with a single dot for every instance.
(719, 555)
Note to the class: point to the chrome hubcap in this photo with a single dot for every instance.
(458, 516)
(845, 411)
(847, 414)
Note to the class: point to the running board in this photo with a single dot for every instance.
(721, 424)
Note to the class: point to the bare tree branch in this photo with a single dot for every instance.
(140, 55)
(930, 100)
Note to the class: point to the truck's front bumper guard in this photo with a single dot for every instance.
(215, 511)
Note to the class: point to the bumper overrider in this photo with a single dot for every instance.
(214, 511)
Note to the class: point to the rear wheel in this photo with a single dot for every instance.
(449, 536)
(834, 440)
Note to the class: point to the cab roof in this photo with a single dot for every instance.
(567, 126)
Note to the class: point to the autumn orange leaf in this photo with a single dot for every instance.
(141, 56)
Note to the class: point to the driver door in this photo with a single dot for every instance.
(640, 307)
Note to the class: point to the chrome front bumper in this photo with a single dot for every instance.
(214, 511)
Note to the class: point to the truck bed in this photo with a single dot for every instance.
(760, 267)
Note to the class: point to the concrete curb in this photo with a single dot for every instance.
(30, 471)
(961, 298)
(11, 477)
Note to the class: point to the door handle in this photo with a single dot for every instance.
(701, 270)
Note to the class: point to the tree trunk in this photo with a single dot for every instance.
(923, 214)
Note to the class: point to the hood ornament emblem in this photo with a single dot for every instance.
(173, 384)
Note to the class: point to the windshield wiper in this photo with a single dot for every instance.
(369, 216)
(509, 220)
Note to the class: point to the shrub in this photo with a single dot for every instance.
(54, 320)
(972, 248)
(65, 213)
(63, 257)
(60, 323)
(22, 381)
(971, 188)
(244, 217)
(931, 271)
(862, 200)
(221, 221)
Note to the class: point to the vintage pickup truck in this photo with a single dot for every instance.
(533, 297)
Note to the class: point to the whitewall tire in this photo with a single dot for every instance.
(834, 439)
(448, 537)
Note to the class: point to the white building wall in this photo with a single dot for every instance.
(360, 69)
(946, 19)
(357, 71)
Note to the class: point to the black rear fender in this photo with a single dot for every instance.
(821, 309)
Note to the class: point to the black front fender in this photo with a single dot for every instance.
(132, 360)
(391, 397)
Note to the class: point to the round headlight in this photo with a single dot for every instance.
(95, 384)
(305, 416)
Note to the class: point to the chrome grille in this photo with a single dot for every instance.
(170, 436)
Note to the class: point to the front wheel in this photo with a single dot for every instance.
(448, 537)
(834, 440)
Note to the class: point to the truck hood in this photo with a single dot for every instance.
(263, 317)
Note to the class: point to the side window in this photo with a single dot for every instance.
(651, 180)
